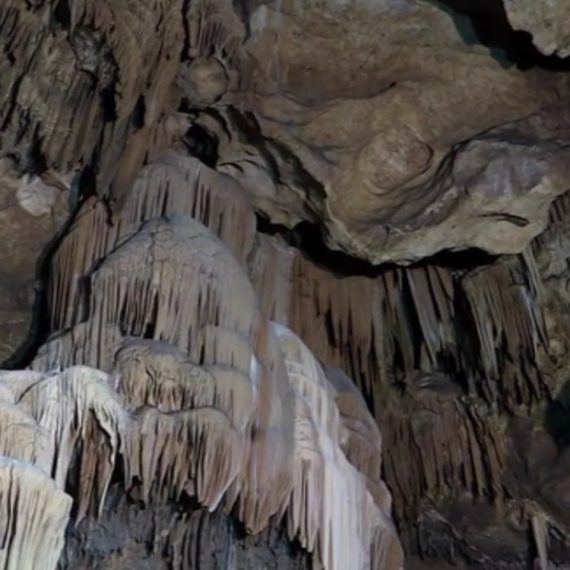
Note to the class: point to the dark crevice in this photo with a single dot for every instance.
(34, 162)
(308, 238)
(61, 15)
(139, 113)
(149, 331)
(485, 22)
(108, 104)
(202, 144)
(82, 188)
(283, 165)
(184, 54)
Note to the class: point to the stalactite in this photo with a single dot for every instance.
(270, 269)
(405, 320)
(215, 30)
(173, 184)
(85, 423)
(196, 357)
(433, 422)
(504, 300)
(170, 314)
(362, 444)
(84, 343)
(23, 438)
(174, 302)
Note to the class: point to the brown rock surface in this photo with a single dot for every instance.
(399, 123)
(333, 385)
(31, 214)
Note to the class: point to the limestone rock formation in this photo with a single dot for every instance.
(284, 284)
(547, 22)
(170, 367)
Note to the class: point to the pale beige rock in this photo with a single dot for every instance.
(204, 81)
(346, 115)
(36, 197)
(548, 22)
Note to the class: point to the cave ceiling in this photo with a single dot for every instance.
(403, 128)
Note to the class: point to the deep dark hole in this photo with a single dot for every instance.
(186, 47)
(34, 161)
(108, 104)
(139, 113)
(149, 331)
(202, 144)
(61, 15)
(83, 188)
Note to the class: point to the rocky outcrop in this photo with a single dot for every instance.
(403, 128)
(32, 212)
(547, 23)
(403, 122)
